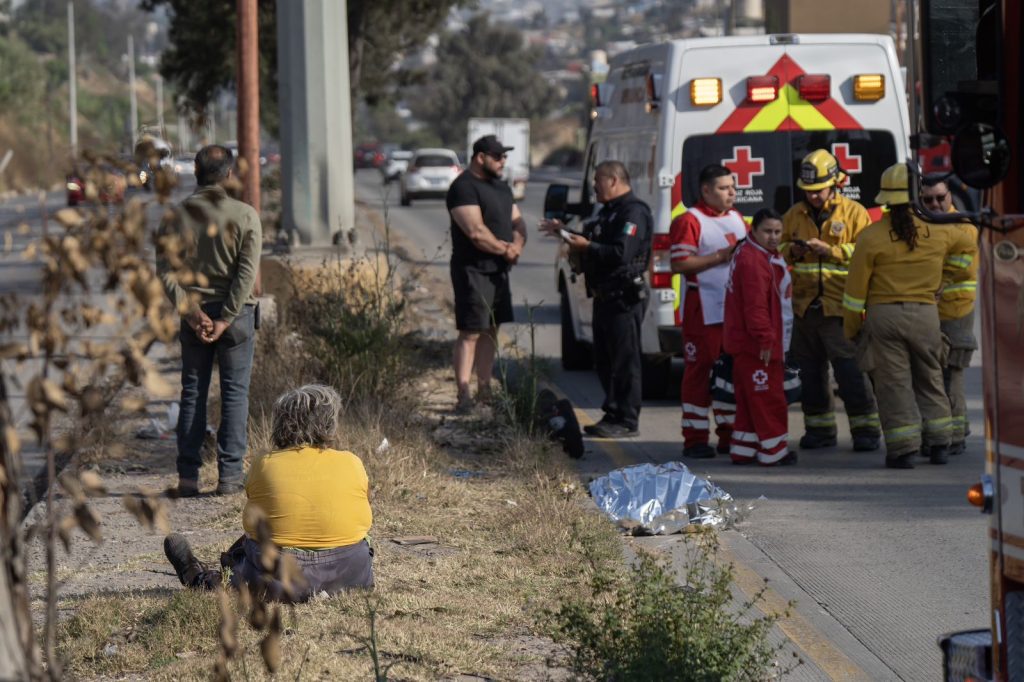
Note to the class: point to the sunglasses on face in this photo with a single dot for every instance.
(498, 157)
(935, 199)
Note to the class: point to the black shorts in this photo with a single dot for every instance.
(482, 299)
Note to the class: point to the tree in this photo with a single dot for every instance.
(201, 59)
(484, 70)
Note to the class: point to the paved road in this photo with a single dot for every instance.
(22, 223)
(881, 561)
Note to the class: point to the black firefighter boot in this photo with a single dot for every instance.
(866, 441)
(812, 440)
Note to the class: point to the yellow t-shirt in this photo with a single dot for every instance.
(313, 498)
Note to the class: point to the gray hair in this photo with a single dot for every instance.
(307, 415)
(615, 169)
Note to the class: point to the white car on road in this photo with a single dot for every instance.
(430, 173)
(396, 163)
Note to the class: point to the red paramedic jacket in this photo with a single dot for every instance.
(753, 302)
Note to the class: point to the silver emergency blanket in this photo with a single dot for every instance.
(661, 498)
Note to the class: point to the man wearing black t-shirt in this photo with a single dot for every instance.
(488, 235)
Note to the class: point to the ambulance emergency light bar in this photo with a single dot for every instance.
(867, 87)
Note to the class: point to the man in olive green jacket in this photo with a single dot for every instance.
(208, 254)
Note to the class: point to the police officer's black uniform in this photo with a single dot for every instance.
(614, 264)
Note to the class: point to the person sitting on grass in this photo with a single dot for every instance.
(307, 499)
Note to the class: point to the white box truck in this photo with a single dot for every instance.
(513, 132)
(754, 104)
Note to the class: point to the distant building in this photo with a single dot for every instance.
(815, 16)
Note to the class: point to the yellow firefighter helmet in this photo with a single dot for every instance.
(818, 170)
(895, 186)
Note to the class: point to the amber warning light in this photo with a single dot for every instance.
(982, 494)
(869, 87)
(762, 88)
(706, 92)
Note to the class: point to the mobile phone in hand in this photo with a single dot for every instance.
(565, 234)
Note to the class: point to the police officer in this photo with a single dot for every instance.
(818, 236)
(615, 253)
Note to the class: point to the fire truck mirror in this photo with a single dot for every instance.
(959, 80)
(981, 155)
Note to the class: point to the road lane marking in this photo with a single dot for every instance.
(800, 631)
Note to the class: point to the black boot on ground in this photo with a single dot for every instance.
(902, 462)
(813, 441)
(191, 571)
(866, 443)
(938, 454)
(702, 451)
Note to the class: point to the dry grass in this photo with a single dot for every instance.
(509, 544)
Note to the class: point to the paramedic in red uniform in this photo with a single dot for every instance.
(703, 240)
(758, 327)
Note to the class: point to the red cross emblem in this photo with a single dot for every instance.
(744, 166)
(849, 163)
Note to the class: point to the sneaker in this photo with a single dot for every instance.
(866, 443)
(613, 431)
(191, 571)
(700, 451)
(813, 441)
(938, 454)
(901, 461)
(230, 487)
(957, 448)
(187, 487)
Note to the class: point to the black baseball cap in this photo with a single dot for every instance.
(489, 144)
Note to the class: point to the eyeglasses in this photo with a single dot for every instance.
(498, 157)
(934, 198)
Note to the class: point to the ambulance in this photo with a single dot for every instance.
(756, 104)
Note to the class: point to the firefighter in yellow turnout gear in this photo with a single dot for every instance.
(889, 306)
(818, 240)
(956, 310)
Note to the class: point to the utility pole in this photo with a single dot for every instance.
(249, 99)
(317, 206)
(133, 103)
(160, 106)
(72, 81)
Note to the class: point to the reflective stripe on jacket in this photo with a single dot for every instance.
(823, 277)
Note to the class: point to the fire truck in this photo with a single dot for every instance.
(971, 90)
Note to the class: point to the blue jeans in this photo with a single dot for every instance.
(233, 353)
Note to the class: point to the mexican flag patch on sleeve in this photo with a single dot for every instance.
(629, 230)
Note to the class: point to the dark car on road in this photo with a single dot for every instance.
(101, 183)
(369, 155)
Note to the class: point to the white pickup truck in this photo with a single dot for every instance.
(512, 132)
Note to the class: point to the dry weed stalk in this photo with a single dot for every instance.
(95, 277)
